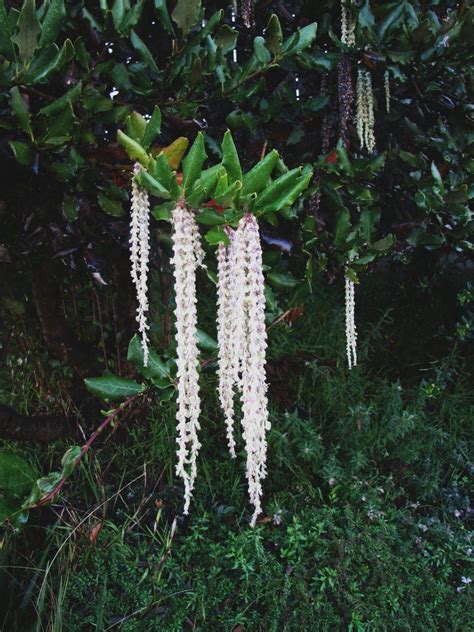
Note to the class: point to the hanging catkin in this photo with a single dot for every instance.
(187, 256)
(351, 332)
(139, 255)
(365, 110)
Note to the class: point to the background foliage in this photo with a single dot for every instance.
(368, 503)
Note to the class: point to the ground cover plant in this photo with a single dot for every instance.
(236, 230)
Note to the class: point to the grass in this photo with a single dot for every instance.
(367, 523)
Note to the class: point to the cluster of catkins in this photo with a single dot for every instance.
(241, 329)
(365, 120)
(242, 342)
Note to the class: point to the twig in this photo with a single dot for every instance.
(85, 448)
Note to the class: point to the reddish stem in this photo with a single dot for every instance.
(87, 445)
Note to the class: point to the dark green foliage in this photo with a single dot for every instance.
(367, 520)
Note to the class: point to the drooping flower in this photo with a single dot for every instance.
(242, 347)
(187, 256)
(255, 421)
(247, 11)
(347, 25)
(386, 85)
(365, 110)
(346, 95)
(140, 254)
(227, 368)
(351, 331)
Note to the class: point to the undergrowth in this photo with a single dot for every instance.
(367, 523)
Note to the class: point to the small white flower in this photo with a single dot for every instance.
(139, 255)
(187, 256)
(365, 119)
(242, 347)
(348, 25)
(466, 580)
(351, 331)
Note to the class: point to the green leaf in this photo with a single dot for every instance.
(192, 164)
(288, 196)
(112, 387)
(205, 342)
(382, 245)
(17, 476)
(23, 153)
(274, 36)
(51, 59)
(133, 149)
(69, 460)
(210, 217)
(28, 30)
(366, 17)
(300, 40)
(6, 44)
(8, 507)
(186, 14)
(118, 13)
(162, 212)
(277, 189)
(258, 177)
(156, 367)
(153, 128)
(216, 236)
(52, 22)
(47, 484)
(71, 208)
(260, 51)
(71, 97)
(437, 177)
(282, 280)
(161, 9)
(230, 158)
(226, 38)
(147, 181)
(136, 126)
(19, 108)
(110, 206)
(342, 228)
(391, 20)
(144, 52)
(59, 131)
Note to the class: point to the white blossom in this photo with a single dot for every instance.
(347, 26)
(255, 420)
(188, 255)
(242, 348)
(225, 337)
(140, 254)
(365, 120)
(351, 331)
(386, 85)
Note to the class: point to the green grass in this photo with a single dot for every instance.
(367, 522)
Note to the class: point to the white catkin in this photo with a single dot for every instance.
(255, 421)
(139, 255)
(242, 340)
(187, 256)
(351, 331)
(386, 84)
(365, 119)
(227, 369)
(347, 26)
